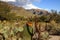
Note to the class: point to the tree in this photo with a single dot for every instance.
(59, 12)
(44, 18)
(54, 11)
(11, 16)
(4, 9)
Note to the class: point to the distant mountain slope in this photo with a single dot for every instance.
(38, 11)
(19, 11)
(31, 8)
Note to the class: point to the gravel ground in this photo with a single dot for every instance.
(54, 37)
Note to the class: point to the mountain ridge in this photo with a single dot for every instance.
(18, 10)
(25, 5)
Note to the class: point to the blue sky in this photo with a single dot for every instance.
(48, 4)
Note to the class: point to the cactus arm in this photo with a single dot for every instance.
(29, 30)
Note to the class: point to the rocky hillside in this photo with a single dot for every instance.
(39, 11)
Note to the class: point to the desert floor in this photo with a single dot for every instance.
(54, 37)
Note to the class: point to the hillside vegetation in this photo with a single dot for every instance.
(10, 15)
(9, 11)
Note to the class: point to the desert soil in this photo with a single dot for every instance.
(54, 37)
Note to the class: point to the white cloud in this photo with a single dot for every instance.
(9, 0)
(30, 6)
